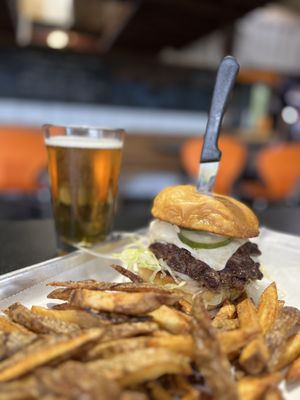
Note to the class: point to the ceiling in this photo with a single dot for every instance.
(131, 25)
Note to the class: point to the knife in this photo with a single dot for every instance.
(211, 155)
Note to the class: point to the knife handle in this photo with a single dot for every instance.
(226, 75)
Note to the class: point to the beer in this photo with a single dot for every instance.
(84, 175)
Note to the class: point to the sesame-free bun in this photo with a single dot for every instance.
(184, 206)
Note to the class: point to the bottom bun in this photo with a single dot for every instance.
(212, 299)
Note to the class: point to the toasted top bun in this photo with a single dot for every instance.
(184, 206)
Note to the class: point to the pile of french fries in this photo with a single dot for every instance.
(137, 341)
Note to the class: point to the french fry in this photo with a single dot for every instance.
(19, 390)
(12, 342)
(227, 311)
(120, 302)
(135, 341)
(226, 324)
(73, 380)
(182, 344)
(141, 365)
(186, 390)
(273, 393)
(254, 357)
(158, 392)
(289, 353)
(185, 306)
(232, 341)
(247, 315)
(81, 318)
(276, 338)
(172, 320)
(113, 286)
(37, 323)
(268, 308)
(43, 351)
(293, 374)
(209, 357)
(133, 395)
(253, 388)
(60, 294)
(128, 330)
(127, 273)
(6, 325)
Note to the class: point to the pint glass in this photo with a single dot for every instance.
(84, 166)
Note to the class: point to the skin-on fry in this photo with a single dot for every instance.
(172, 320)
(60, 294)
(247, 315)
(255, 354)
(128, 330)
(185, 306)
(253, 388)
(293, 374)
(273, 393)
(64, 306)
(106, 318)
(133, 395)
(127, 273)
(182, 344)
(74, 381)
(6, 325)
(185, 389)
(277, 336)
(226, 324)
(37, 323)
(61, 383)
(11, 342)
(81, 318)
(268, 308)
(254, 357)
(289, 353)
(120, 302)
(142, 365)
(112, 286)
(158, 392)
(232, 341)
(21, 389)
(43, 351)
(227, 311)
(208, 355)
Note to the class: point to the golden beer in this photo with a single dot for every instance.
(84, 176)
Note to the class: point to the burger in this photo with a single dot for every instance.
(201, 242)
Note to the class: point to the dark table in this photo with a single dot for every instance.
(28, 242)
(23, 243)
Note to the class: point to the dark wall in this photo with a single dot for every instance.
(116, 80)
(37, 74)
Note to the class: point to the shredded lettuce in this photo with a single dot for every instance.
(136, 255)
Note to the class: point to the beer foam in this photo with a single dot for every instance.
(84, 142)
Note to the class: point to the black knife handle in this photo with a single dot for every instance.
(226, 75)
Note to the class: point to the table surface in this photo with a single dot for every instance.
(24, 243)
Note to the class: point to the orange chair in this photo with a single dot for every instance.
(279, 169)
(22, 158)
(232, 162)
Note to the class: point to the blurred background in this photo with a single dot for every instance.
(149, 66)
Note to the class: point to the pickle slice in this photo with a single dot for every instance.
(189, 237)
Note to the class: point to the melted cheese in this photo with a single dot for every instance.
(161, 231)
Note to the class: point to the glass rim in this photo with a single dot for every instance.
(83, 127)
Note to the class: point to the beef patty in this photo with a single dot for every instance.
(239, 269)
